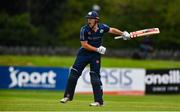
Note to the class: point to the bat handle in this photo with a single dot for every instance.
(118, 37)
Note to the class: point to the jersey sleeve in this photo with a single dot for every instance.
(106, 28)
(83, 34)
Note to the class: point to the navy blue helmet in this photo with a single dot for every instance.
(92, 15)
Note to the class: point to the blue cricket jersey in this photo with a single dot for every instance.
(93, 38)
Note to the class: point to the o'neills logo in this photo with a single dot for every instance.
(173, 77)
(33, 79)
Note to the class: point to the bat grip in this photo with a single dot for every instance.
(118, 37)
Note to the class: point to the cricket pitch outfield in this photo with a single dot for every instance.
(44, 100)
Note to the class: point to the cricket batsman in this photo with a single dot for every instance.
(90, 53)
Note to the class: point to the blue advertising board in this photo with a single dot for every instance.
(15, 77)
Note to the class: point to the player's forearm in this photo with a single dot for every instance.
(115, 31)
(88, 47)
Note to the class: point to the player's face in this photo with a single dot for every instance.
(91, 22)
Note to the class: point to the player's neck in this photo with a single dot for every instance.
(95, 28)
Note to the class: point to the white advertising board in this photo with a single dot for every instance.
(128, 81)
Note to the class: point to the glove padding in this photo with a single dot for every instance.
(101, 50)
(126, 35)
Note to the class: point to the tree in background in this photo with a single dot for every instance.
(57, 23)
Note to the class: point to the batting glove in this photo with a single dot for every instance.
(126, 35)
(101, 50)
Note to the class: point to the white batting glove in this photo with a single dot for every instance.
(101, 50)
(126, 35)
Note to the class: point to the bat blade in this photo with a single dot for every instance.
(144, 32)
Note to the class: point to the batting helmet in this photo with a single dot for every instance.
(92, 15)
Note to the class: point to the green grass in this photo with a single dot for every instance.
(44, 100)
(67, 61)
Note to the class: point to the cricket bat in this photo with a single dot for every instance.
(140, 33)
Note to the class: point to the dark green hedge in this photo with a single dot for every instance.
(57, 23)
